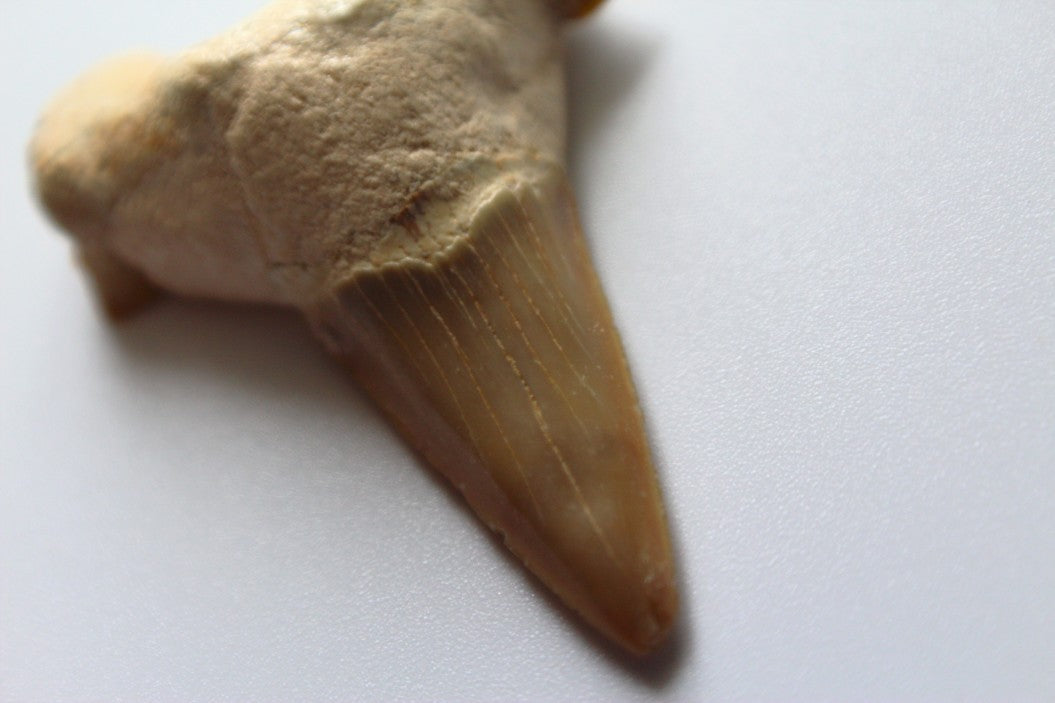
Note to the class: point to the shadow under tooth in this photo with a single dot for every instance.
(498, 361)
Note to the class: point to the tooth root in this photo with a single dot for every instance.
(499, 362)
(121, 290)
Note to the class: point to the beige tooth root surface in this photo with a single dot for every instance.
(247, 167)
(392, 169)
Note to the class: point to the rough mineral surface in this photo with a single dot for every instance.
(248, 166)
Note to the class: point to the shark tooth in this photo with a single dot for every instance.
(394, 171)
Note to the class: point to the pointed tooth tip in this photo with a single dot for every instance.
(645, 625)
(662, 614)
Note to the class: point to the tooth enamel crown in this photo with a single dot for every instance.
(393, 170)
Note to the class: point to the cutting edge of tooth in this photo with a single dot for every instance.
(498, 360)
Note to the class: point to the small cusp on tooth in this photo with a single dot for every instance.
(499, 362)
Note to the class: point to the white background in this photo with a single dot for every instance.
(828, 234)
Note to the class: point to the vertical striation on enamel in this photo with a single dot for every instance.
(498, 361)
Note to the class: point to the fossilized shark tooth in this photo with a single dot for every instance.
(393, 170)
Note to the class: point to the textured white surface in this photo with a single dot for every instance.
(828, 232)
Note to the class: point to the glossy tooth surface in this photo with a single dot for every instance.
(498, 361)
